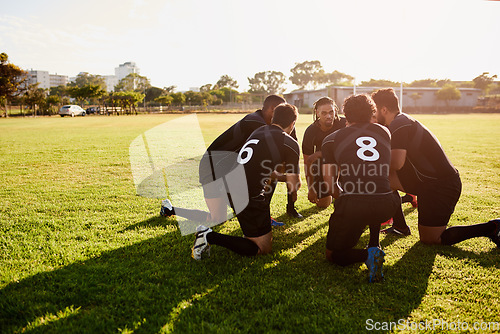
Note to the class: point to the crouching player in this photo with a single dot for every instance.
(267, 149)
(422, 167)
(357, 160)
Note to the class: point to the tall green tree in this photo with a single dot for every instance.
(484, 81)
(52, 102)
(226, 81)
(152, 93)
(128, 100)
(85, 79)
(448, 93)
(334, 78)
(178, 99)
(59, 91)
(133, 82)
(164, 99)
(307, 74)
(206, 88)
(169, 89)
(12, 78)
(34, 97)
(225, 94)
(90, 91)
(268, 82)
(198, 98)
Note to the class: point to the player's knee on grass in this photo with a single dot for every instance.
(337, 258)
(431, 235)
(264, 243)
(324, 202)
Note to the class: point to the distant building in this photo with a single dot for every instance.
(125, 69)
(40, 77)
(58, 80)
(427, 96)
(46, 80)
(111, 82)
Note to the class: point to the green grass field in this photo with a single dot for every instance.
(81, 253)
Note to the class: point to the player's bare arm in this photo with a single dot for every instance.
(398, 157)
(293, 183)
(308, 161)
(330, 176)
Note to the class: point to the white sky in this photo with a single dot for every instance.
(189, 43)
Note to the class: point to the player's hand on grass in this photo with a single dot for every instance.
(312, 196)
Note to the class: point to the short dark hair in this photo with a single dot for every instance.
(386, 97)
(272, 101)
(359, 108)
(284, 115)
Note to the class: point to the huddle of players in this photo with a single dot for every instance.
(358, 162)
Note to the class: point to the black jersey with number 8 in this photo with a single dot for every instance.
(362, 152)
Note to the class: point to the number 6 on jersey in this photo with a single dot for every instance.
(247, 150)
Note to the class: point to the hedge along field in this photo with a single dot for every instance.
(80, 252)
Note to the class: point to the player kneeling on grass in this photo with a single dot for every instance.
(219, 160)
(267, 149)
(421, 167)
(326, 121)
(357, 159)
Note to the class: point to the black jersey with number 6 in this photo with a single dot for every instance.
(234, 137)
(267, 147)
(362, 153)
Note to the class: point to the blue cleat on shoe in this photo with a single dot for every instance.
(374, 263)
(274, 222)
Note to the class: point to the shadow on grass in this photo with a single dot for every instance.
(154, 286)
(152, 222)
(310, 211)
(118, 289)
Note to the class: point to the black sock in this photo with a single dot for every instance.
(238, 245)
(374, 235)
(399, 221)
(406, 199)
(270, 190)
(455, 234)
(349, 256)
(290, 203)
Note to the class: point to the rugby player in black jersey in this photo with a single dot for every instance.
(357, 160)
(219, 159)
(326, 121)
(422, 168)
(268, 149)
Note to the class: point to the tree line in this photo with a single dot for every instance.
(134, 89)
